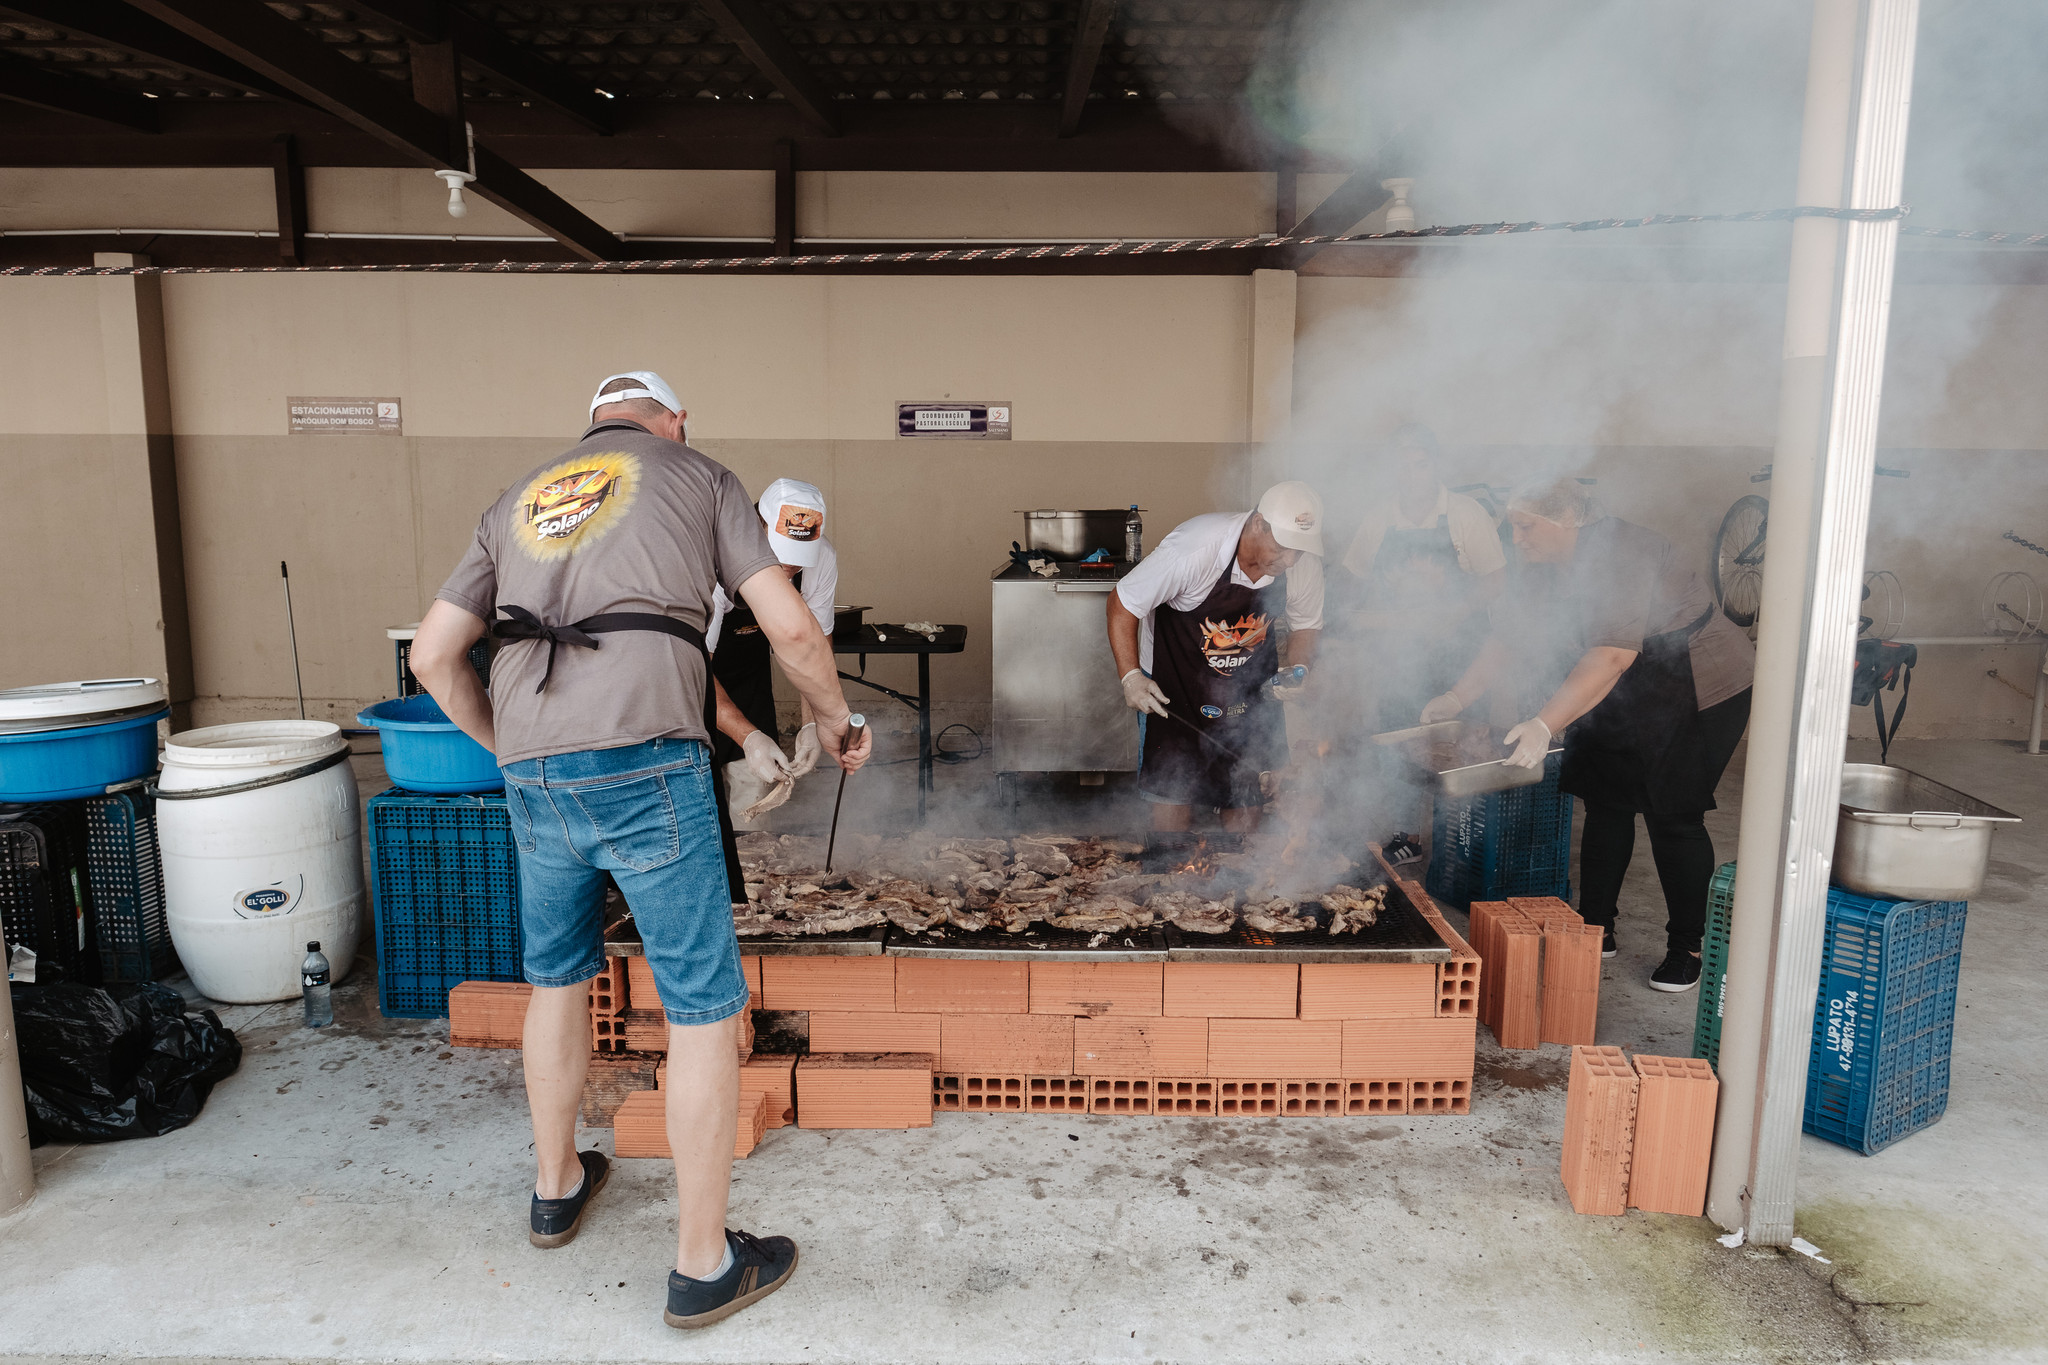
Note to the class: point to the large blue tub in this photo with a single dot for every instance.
(424, 752)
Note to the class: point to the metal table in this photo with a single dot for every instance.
(869, 639)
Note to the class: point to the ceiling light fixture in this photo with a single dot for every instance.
(455, 179)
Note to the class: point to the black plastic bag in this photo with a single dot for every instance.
(124, 1062)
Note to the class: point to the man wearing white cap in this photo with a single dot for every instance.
(794, 513)
(1192, 631)
(603, 563)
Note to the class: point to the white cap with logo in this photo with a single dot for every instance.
(1294, 513)
(795, 513)
(651, 385)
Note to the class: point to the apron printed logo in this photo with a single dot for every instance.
(1212, 713)
(574, 503)
(267, 902)
(1228, 648)
(799, 523)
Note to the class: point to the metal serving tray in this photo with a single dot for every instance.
(1039, 941)
(1400, 935)
(1901, 836)
(1451, 752)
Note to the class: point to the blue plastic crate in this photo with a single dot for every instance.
(446, 881)
(1501, 844)
(125, 869)
(1884, 1020)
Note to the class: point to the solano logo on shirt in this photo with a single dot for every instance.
(575, 502)
(1230, 647)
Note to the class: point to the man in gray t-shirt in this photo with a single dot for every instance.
(597, 571)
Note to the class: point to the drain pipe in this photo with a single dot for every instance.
(1837, 310)
(17, 1175)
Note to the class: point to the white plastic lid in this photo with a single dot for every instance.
(279, 743)
(401, 632)
(65, 703)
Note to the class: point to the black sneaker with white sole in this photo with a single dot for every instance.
(553, 1222)
(1608, 947)
(1679, 971)
(760, 1266)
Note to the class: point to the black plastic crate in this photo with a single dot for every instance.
(446, 881)
(45, 888)
(126, 877)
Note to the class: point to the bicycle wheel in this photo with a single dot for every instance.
(1739, 559)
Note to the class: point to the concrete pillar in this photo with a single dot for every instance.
(1272, 354)
(142, 501)
(17, 1175)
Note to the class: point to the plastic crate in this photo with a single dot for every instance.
(409, 686)
(1501, 844)
(1884, 1020)
(45, 889)
(125, 871)
(1706, 1024)
(446, 882)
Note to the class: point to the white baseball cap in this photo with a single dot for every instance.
(795, 513)
(1294, 513)
(651, 384)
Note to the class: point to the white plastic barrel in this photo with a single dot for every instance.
(251, 877)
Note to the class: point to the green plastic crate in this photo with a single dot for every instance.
(1706, 1025)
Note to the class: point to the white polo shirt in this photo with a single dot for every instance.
(1185, 566)
(821, 584)
(1473, 533)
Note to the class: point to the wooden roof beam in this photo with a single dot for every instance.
(271, 45)
(752, 30)
(44, 86)
(487, 49)
(1091, 30)
(119, 25)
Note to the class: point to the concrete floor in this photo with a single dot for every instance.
(359, 1193)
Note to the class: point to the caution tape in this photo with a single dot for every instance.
(985, 255)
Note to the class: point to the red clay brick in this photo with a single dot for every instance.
(1409, 1048)
(829, 983)
(1440, 1097)
(773, 1076)
(1284, 1049)
(1232, 990)
(608, 988)
(1571, 956)
(953, 1093)
(1674, 1135)
(640, 1128)
(611, 1077)
(487, 1013)
(1312, 1099)
(1521, 985)
(1570, 1016)
(1006, 1044)
(836, 1031)
(1375, 1097)
(1141, 1047)
(1376, 990)
(1457, 987)
(938, 986)
(1119, 1095)
(1183, 1097)
(1599, 1130)
(1485, 922)
(750, 968)
(1247, 1097)
(1545, 907)
(1097, 988)
(607, 1034)
(863, 1089)
(646, 1030)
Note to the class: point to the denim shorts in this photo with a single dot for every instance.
(645, 814)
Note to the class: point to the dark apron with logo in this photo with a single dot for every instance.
(1637, 749)
(1417, 572)
(525, 625)
(1213, 664)
(741, 666)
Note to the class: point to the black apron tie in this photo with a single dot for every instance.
(526, 625)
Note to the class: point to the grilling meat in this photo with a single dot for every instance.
(1279, 916)
(1352, 909)
(1043, 855)
(1194, 913)
(1100, 914)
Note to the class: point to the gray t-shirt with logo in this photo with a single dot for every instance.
(624, 522)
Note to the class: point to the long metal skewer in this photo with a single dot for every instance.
(854, 724)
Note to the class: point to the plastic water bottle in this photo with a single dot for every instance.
(313, 976)
(1134, 536)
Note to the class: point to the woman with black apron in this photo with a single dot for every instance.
(1656, 698)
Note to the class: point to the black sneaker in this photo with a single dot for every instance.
(1679, 971)
(1608, 947)
(553, 1222)
(760, 1266)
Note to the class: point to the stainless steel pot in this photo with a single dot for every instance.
(1075, 535)
(1902, 836)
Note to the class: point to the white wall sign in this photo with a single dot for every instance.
(343, 416)
(954, 420)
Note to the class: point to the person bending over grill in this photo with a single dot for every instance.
(794, 513)
(606, 755)
(1193, 632)
(1655, 701)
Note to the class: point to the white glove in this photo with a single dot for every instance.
(1531, 740)
(1445, 707)
(765, 760)
(808, 751)
(1290, 683)
(1142, 694)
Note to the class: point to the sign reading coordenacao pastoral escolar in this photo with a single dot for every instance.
(953, 420)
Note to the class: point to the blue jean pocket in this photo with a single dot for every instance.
(635, 821)
(520, 816)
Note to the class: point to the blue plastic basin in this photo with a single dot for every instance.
(424, 752)
(62, 765)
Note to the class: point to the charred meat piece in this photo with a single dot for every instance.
(1352, 909)
(967, 921)
(1025, 881)
(990, 853)
(1042, 855)
(1099, 914)
(1014, 910)
(980, 890)
(1197, 914)
(1279, 916)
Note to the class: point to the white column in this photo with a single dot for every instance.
(1838, 307)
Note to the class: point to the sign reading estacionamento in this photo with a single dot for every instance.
(956, 421)
(343, 416)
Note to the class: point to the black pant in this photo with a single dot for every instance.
(1685, 865)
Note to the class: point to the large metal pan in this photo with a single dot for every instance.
(1461, 757)
(1901, 836)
